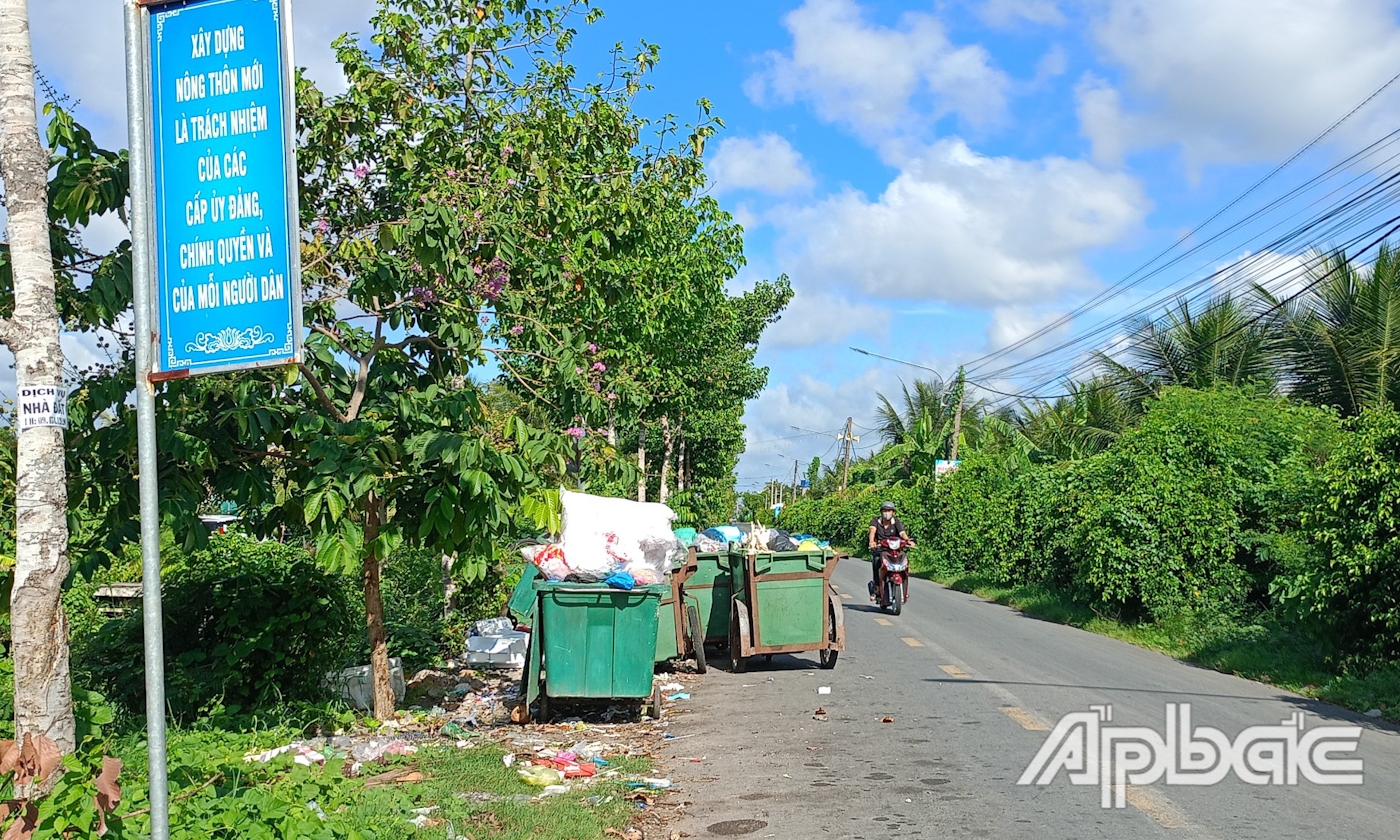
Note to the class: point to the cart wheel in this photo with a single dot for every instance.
(737, 663)
(656, 702)
(828, 654)
(697, 636)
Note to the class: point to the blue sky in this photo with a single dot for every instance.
(939, 179)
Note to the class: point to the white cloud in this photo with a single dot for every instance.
(811, 403)
(817, 317)
(1282, 275)
(962, 227)
(78, 45)
(1011, 324)
(1005, 13)
(1234, 82)
(868, 76)
(767, 163)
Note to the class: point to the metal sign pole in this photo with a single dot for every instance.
(142, 249)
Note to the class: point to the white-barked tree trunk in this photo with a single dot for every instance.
(39, 629)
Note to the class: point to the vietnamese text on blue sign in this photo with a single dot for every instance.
(227, 289)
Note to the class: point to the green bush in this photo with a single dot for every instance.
(1351, 583)
(1194, 508)
(247, 624)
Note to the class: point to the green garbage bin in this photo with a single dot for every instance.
(783, 603)
(711, 586)
(591, 641)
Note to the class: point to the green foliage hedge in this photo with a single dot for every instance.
(247, 624)
(1169, 518)
(1349, 583)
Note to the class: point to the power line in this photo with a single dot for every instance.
(1122, 285)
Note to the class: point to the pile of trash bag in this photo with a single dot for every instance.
(755, 537)
(616, 541)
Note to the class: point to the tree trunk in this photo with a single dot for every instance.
(667, 450)
(682, 474)
(39, 629)
(641, 462)
(384, 701)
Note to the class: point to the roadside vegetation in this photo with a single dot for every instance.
(514, 279)
(1226, 493)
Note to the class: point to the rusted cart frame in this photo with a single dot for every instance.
(746, 631)
(679, 634)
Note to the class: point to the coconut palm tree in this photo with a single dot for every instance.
(1342, 334)
(1224, 342)
(1084, 422)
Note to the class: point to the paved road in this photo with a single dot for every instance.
(972, 688)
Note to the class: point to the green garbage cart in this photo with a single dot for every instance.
(589, 641)
(784, 603)
(678, 619)
(711, 585)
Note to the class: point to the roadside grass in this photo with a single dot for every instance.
(473, 791)
(214, 791)
(1258, 647)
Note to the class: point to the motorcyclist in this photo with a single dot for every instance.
(883, 527)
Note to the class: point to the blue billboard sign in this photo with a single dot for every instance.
(227, 260)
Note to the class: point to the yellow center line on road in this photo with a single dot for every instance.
(955, 671)
(912, 642)
(884, 622)
(1156, 806)
(1025, 718)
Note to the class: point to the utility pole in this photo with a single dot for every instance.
(848, 439)
(794, 479)
(957, 417)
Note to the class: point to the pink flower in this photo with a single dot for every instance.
(322, 225)
(599, 366)
(579, 371)
(575, 432)
(361, 171)
(485, 320)
(593, 348)
(517, 329)
(612, 396)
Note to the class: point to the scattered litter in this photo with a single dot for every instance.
(540, 776)
(825, 689)
(508, 759)
(674, 686)
(1374, 713)
(376, 748)
(458, 728)
(316, 809)
(651, 784)
(819, 714)
(554, 790)
(681, 695)
(887, 720)
(302, 754)
(492, 627)
(866, 677)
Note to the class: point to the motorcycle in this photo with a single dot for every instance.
(893, 590)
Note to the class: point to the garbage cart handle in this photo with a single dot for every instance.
(596, 591)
